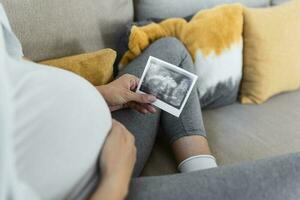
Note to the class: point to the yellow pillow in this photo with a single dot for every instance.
(271, 52)
(96, 67)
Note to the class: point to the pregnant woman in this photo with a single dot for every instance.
(59, 139)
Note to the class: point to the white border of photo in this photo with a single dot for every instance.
(160, 104)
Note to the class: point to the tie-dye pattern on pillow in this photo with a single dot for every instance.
(214, 39)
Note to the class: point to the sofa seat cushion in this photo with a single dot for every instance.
(239, 133)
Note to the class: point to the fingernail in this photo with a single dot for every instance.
(151, 98)
(145, 111)
(153, 110)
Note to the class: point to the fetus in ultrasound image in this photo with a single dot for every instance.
(168, 85)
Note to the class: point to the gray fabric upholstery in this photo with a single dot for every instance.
(145, 9)
(240, 133)
(57, 28)
(278, 2)
(276, 178)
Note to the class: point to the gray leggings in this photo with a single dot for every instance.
(275, 179)
(145, 127)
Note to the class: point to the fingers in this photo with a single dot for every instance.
(140, 98)
(138, 107)
(116, 123)
(121, 129)
(139, 102)
(116, 126)
(151, 108)
(114, 108)
(132, 80)
(142, 108)
(132, 96)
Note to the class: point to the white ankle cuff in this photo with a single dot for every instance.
(196, 163)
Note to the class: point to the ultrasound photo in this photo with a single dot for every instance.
(167, 84)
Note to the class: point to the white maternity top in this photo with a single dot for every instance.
(52, 126)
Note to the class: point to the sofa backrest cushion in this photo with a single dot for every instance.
(271, 52)
(145, 9)
(56, 28)
(278, 2)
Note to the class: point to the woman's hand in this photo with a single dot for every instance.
(120, 93)
(116, 163)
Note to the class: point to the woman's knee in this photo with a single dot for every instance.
(169, 49)
(170, 43)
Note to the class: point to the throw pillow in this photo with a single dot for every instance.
(214, 39)
(271, 52)
(96, 67)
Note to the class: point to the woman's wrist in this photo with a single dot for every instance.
(103, 91)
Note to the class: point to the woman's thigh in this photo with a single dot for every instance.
(144, 128)
(276, 178)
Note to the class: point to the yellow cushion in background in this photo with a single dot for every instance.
(96, 67)
(271, 52)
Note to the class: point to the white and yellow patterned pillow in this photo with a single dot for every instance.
(214, 39)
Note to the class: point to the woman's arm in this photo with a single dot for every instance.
(108, 190)
(117, 161)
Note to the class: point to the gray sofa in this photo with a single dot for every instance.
(237, 133)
